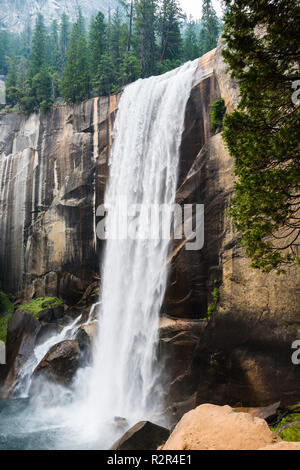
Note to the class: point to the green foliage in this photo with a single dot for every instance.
(105, 78)
(142, 38)
(292, 432)
(210, 30)
(35, 306)
(41, 87)
(4, 322)
(263, 134)
(97, 40)
(76, 80)
(38, 47)
(6, 313)
(216, 298)
(5, 304)
(217, 113)
(169, 30)
(191, 45)
(130, 69)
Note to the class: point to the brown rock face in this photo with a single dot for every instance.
(61, 363)
(210, 427)
(53, 169)
(21, 337)
(243, 355)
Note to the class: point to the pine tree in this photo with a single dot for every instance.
(263, 135)
(64, 38)
(191, 49)
(38, 47)
(42, 88)
(53, 47)
(75, 83)
(145, 26)
(106, 77)
(97, 41)
(118, 39)
(11, 79)
(210, 31)
(130, 69)
(12, 92)
(21, 74)
(26, 38)
(169, 30)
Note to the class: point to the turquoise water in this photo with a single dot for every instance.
(26, 425)
(19, 431)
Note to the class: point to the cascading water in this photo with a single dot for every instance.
(24, 378)
(143, 171)
(125, 379)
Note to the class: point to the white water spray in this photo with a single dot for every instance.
(125, 378)
(24, 378)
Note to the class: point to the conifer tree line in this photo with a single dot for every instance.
(73, 62)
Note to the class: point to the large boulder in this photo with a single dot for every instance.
(51, 314)
(211, 427)
(61, 363)
(20, 342)
(142, 436)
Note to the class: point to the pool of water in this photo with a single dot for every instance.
(26, 426)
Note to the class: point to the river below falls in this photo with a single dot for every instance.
(22, 427)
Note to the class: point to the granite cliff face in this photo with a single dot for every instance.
(53, 169)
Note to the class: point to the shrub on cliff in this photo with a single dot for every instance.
(263, 134)
(6, 313)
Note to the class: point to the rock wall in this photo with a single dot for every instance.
(243, 354)
(53, 168)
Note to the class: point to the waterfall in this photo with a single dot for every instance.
(125, 378)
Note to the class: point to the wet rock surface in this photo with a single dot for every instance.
(142, 436)
(61, 363)
(21, 337)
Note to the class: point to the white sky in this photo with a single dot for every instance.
(194, 7)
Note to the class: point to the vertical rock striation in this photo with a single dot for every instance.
(53, 169)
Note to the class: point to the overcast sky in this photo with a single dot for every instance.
(194, 7)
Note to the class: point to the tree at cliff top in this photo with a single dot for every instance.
(169, 19)
(145, 26)
(263, 135)
(38, 47)
(97, 40)
(191, 46)
(75, 83)
(64, 39)
(210, 31)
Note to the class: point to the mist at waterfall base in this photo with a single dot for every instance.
(126, 378)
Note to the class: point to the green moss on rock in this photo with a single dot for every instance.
(35, 306)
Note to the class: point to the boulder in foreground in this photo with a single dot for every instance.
(211, 427)
(142, 436)
(61, 363)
